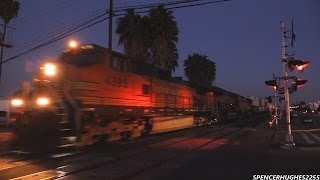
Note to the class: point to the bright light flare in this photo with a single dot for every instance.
(16, 102)
(300, 68)
(73, 44)
(42, 101)
(50, 69)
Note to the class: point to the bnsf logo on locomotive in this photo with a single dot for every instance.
(117, 82)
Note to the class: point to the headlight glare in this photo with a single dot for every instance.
(50, 69)
(16, 102)
(42, 101)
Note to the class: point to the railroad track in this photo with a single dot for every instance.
(147, 150)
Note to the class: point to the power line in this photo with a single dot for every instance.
(26, 45)
(154, 5)
(87, 24)
(123, 9)
(54, 39)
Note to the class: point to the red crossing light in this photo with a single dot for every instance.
(298, 83)
(298, 64)
(272, 83)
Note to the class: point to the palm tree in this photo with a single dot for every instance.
(164, 35)
(133, 32)
(200, 70)
(8, 10)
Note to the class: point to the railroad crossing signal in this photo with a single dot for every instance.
(297, 64)
(281, 98)
(272, 83)
(298, 83)
(294, 86)
(269, 99)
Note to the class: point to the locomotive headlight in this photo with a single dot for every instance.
(16, 102)
(42, 101)
(50, 69)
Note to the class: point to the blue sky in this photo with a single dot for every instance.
(241, 36)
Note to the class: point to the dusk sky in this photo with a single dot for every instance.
(241, 36)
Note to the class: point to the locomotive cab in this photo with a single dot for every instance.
(35, 123)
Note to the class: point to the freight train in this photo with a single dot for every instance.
(91, 94)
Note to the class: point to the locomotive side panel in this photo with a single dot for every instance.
(167, 94)
(173, 104)
(117, 92)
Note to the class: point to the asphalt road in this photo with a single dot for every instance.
(236, 151)
(254, 153)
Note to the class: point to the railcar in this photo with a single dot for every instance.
(91, 94)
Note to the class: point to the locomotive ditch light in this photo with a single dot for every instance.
(43, 101)
(297, 64)
(16, 102)
(49, 69)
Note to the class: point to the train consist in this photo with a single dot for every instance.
(91, 95)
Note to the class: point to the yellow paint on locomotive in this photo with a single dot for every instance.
(99, 84)
(109, 91)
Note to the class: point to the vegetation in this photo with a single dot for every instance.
(8, 10)
(200, 70)
(164, 35)
(151, 38)
(134, 35)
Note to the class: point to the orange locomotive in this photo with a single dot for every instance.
(91, 95)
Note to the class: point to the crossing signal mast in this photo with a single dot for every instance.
(288, 63)
(273, 83)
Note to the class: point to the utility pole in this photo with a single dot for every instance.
(289, 138)
(110, 32)
(110, 24)
(3, 44)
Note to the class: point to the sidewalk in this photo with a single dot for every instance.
(302, 138)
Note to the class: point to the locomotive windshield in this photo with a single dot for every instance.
(84, 56)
